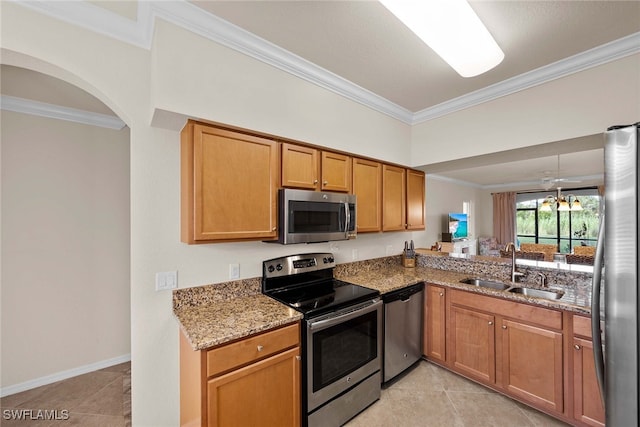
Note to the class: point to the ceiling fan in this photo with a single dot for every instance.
(548, 181)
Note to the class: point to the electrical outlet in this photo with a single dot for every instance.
(234, 271)
(166, 280)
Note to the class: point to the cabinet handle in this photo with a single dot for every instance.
(325, 182)
(298, 358)
(577, 347)
(504, 326)
(441, 294)
(315, 181)
(490, 322)
(273, 229)
(260, 348)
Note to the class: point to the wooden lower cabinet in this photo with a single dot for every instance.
(587, 401)
(532, 364)
(512, 347)
(250, 382)
(261, 394)
(472, 344)
(435, 306)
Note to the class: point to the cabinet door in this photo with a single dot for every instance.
(300, 166)
(265, 393)
(435, 322)
(229, 185)
(393, 198)
(587, 403)
(336, 172)
(472, 343)
(367, 186)
(532, 364)
(415, 200)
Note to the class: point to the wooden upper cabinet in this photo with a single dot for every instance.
(393, 198)
(300, 166)
(415, 200)
(336, 172)
(228, 185)
(367, 186)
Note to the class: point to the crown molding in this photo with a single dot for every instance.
(608, 52)
(51, 111)
(199, 21)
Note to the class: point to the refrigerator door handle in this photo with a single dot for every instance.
(598, 264)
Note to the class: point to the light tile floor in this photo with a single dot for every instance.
(430, 396)
(426, 396)
(97, 399)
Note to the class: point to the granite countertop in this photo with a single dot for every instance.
(215, 314)
(391, 278)
(221, 321)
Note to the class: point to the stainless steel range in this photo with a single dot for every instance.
(342, 336)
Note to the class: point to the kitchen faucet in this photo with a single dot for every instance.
(514, 274)
(542, 278)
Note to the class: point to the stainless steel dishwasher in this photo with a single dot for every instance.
(402, 329)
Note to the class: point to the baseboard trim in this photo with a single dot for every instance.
(63, 375)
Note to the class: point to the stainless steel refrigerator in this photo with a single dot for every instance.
(616, 271)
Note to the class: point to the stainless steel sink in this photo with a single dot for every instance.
(538, 293)
(486, 284)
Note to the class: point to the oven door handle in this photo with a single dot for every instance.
(339, 318)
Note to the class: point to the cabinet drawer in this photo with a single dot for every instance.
(582, 326)
(226, 357)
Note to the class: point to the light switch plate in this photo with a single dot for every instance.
(166, 280)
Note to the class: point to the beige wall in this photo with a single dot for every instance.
(188, 75)
(447, 196)
(582, 104)
(65, 246)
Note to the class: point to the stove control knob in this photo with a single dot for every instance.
(325, 260)
(331, 259)
(270, 269)
(279, 267)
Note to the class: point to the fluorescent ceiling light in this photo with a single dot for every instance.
(453, 30)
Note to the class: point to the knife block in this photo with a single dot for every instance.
(408, 262)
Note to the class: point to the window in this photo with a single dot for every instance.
(565, 229)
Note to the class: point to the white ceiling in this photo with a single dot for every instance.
(361, 42)
(364, 43)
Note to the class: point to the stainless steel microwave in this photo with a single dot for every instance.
(313, 216)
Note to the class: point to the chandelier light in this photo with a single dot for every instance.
(562, 202)
(453, 30)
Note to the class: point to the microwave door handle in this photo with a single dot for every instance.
(347, 220)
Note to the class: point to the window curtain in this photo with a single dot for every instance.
(504, 217)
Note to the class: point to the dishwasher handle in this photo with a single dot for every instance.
(403, 295)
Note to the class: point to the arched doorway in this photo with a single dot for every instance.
(65, 245)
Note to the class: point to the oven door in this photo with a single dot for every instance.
(343, 348)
